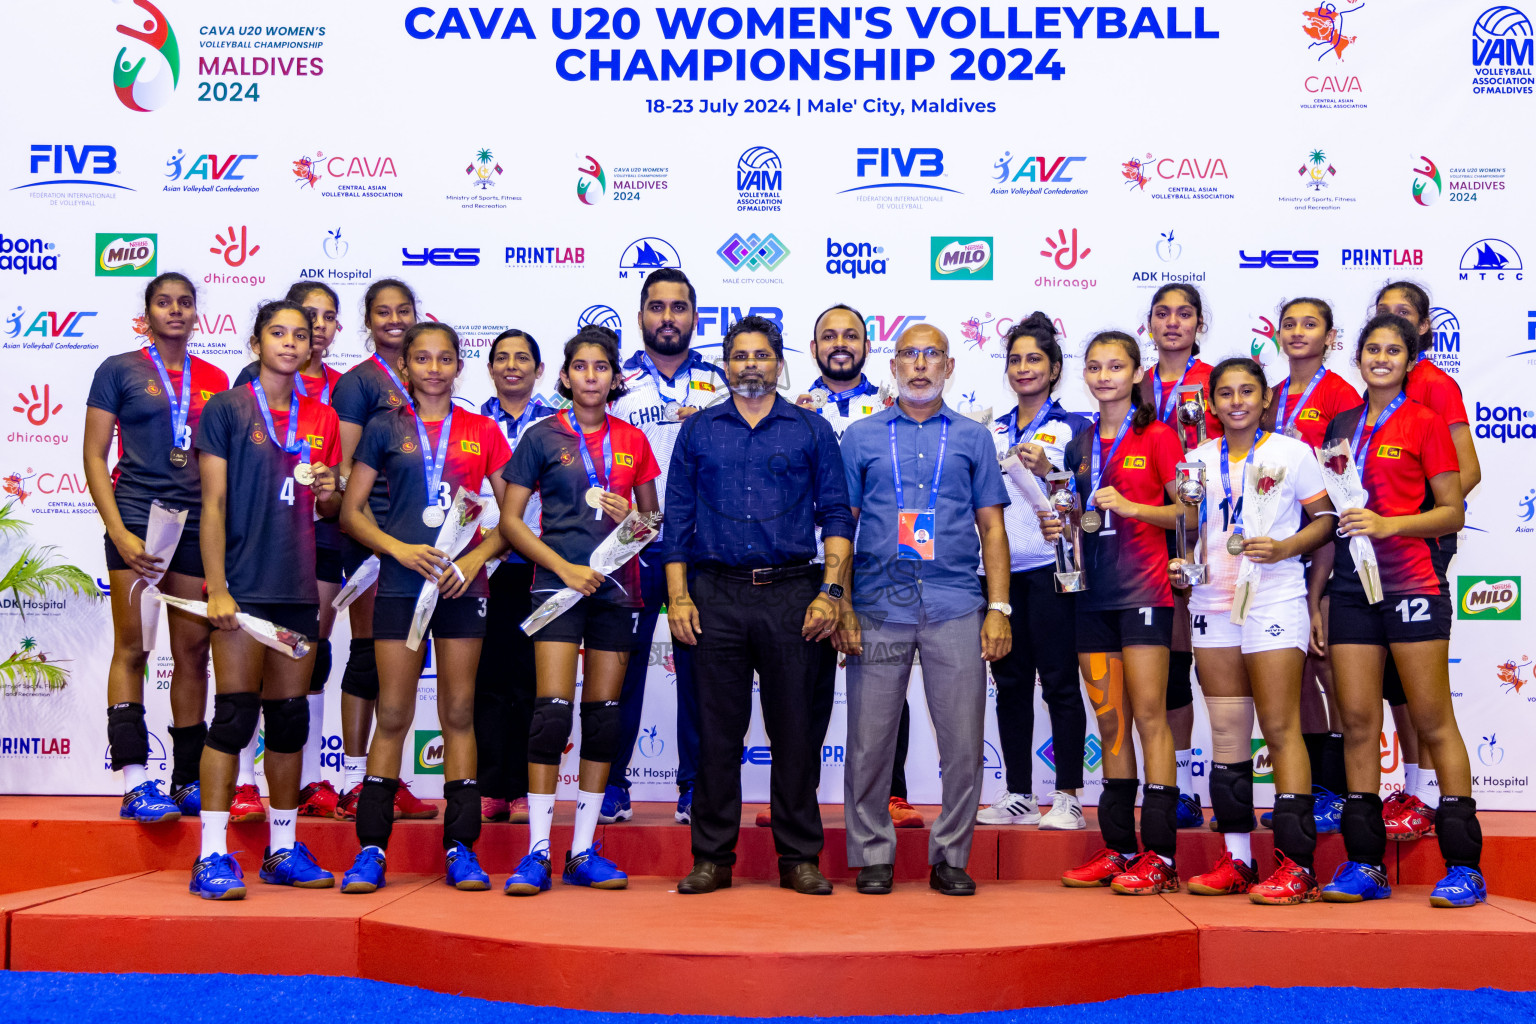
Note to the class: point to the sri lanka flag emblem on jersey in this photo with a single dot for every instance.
(701, 385)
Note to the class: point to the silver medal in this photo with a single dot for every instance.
(671, 412)
(1092, 521)
(303, 474)
(179, 457)
(595, 497)
(433, 516)
(1235, 545)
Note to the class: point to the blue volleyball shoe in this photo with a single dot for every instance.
(145, 804)
(615, 806)
(1355, 882)
(296, 867)
(684, 813)
(464, 871)
(1328, 810)
(1461, 887)
(531, 876)
(593, 870)
(366, 873)
(217, 877)
(189, 800)
(1191, 814)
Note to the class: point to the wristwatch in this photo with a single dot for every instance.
(832, 590)
(1001, 606)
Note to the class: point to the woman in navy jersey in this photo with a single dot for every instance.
(267, 458)
(1256, 664)
(1124, 466)
(1044, 627)
(1400, 447)
(586, 465)
(425, 452)
(371, 388)
(153, 398)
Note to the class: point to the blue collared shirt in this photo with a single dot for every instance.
(492, 407)
(917, 591)
(750, 497)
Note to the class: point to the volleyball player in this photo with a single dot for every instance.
(504, 683)
(1256, 664)
(1175, 321)
(1400, 448)
(266, 458)
(1409, 814)
(1124, 466)
(1044, 626)
(586, 464)
(153, 398)
(425, 452)
(370, 388)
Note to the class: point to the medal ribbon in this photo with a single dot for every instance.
(1287, 424)
(1096, 471)
(291, 446)
(434, 464)
(1235, 507)
(938, 465)
(179, 409)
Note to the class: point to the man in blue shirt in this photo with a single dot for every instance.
(750, 482)
(923, 481)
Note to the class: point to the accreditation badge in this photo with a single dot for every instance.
(914, 535)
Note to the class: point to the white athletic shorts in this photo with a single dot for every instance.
(1272, 627)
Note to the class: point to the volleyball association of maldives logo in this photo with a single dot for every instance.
(145, 80)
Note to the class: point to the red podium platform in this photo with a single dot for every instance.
(90, 893)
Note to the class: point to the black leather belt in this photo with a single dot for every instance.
(759, 577)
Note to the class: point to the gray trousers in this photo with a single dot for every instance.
(955, 681)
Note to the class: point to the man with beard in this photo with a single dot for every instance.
(666, 382)
(922, 481)
(744, 587)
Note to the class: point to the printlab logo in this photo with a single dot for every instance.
(759, 181)
(586, 178)
(207, 167)
(1491, 256)
(1423, 178)
(37, 407)
(1316, 170)
(1062, 252)
(234, 249)
(644, 255)
(483, 170)
(1514, 675)
(1489, 752)
(429, 752)
(135, 89)
(952, 255)
(1446, 352)
(1168, 250)
(125, 255)
(1324, 29)
(1502, 56)
(753, 253)
(334, 246)
(651, 745)
(1488, 597)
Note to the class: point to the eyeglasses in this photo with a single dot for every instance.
(752, 357)
(909, 355)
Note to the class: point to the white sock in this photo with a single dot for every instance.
(246, 776)
(1182, 760)
(1428, 789)
(541, 818)
(282, 829)
(354, 768)
(215, 825)
(587, 807)
(134, 776)
(309, 771)
(1166, 860)
(1239, 846)
(1410, 778)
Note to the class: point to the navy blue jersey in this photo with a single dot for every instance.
(362, 393)
(328, 530)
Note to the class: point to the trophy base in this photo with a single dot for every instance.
(1194, 573)
(1071, 582)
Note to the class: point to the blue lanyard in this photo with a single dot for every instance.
(1096, 446)
(655, 374)
(1386, 414)
(844, 397)
(325, 390)
(1165, 409)
(1288, 423)
(520, 423)
(394, 378)
(938, 465)
(434, 465)
(290, 446)
(1235, 507)
(1034, 424)
(586, 456)
(181, 437)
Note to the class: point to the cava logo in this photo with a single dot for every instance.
(951, 256)
(125, 255)
(429, 752)
(136, 89)
(1488, 597)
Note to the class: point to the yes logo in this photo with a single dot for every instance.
(1488, 597)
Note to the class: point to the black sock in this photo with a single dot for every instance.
(1461, 837)
(1117, 815)
(461, 821)
(1160, 820)
(1295, 827)
(186, 753)
(1365, 834)
(1315, 742)
(376, 811)
(1330, 771)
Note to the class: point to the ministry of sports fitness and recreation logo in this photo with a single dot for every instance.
(483, 169)
(1316, 171)
(753, 252)
(759, 181)
(158, 55)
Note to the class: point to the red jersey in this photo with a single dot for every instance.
(1401, 457)
(1332, 396)
(1200, 374)
(1437, 391)
(1127, 560)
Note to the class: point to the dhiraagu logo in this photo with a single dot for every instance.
(1488, 597)
(968, 259)
(126, 255)
(146, 75)
(429, 752)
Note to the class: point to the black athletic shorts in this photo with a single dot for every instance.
(187, 559)
(328, 567)
(462, 618)
(1398, 619)
(353, 555)
(595, 625)
(1104, 632)
(303, 619)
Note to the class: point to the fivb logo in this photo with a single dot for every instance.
(1488, 597)
(902, 164)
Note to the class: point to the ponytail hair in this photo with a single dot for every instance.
(1419, 299)
(1144, 414)
(1039, 327)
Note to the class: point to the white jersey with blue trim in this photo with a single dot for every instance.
(844, 410)
(1027, 548)
(492, 407)
(697, 382)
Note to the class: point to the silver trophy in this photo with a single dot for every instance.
(1070, 577)
(1191, 410)
(1189, 487)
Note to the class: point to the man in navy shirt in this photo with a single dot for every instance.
(923, 481)
(751, 480)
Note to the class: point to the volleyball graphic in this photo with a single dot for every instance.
(1502, 22)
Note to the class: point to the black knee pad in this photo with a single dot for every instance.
(1180, 693)
(1160, 819)
(461, 818)
(361, 676)
(186, 753)
(127, 735)
(550, 728)
(234, 721)
(1117, 815)
(1232, 796)
(322, 670)
(1295, 827)
(287, 724)
(599, 730)
(1461, 837)
(1392, 683)
(1365, 834)
(376, 811)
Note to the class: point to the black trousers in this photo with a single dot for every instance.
(756, 628)
(821, 717)
(505, 685)
(1044, 641)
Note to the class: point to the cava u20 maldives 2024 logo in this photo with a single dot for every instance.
(135, 89)
(1423, 178)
